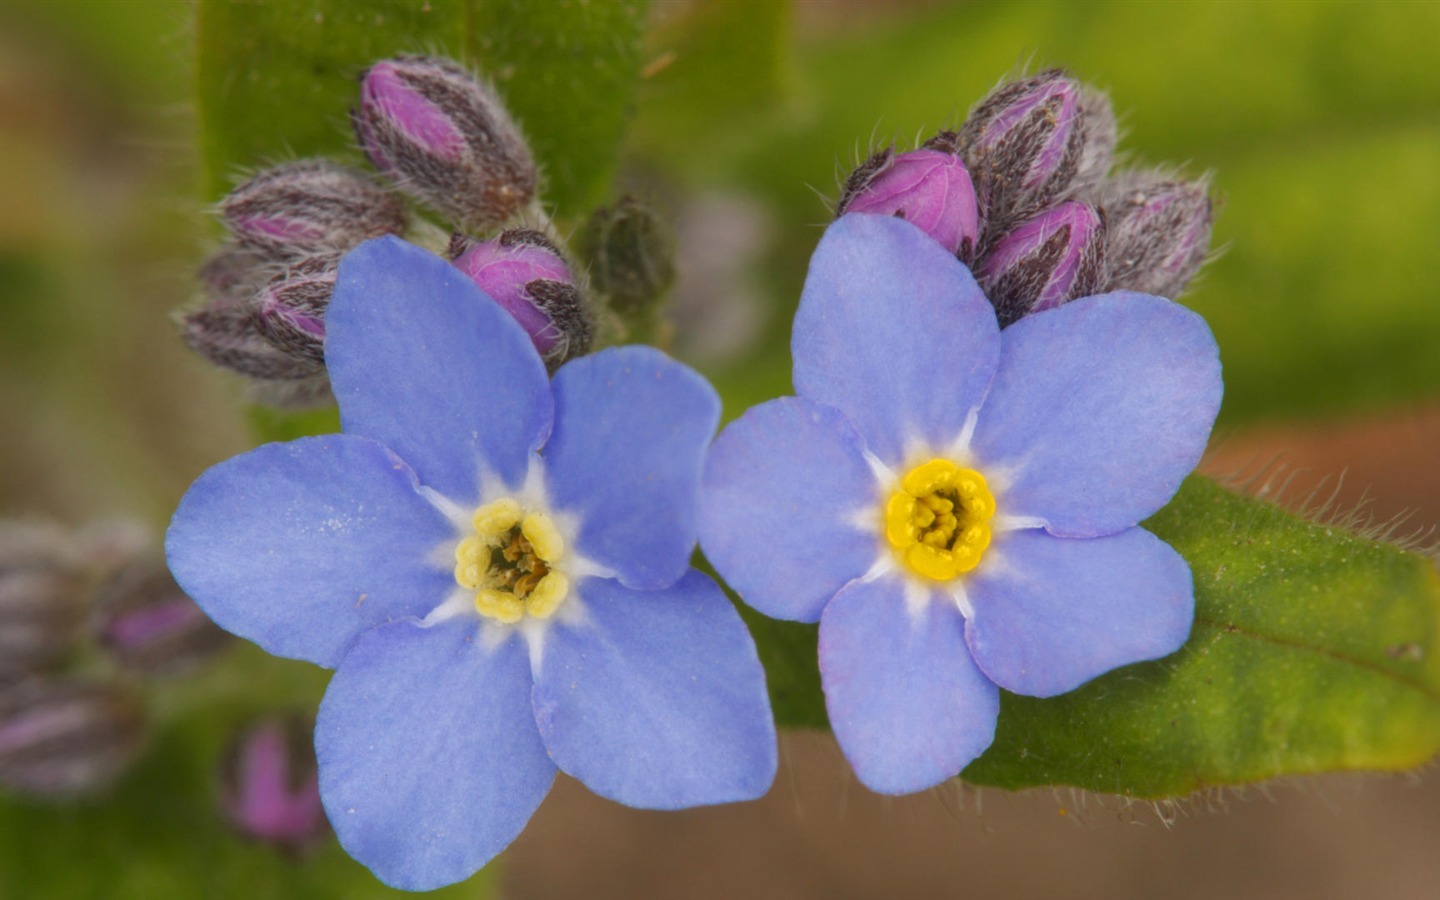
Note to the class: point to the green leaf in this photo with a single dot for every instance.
(276, 79)
(160, 834)
(567, 69)
(1313, 650)
(720, 69)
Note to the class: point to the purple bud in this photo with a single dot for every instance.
(310, 207)
(1098, 151)
(40, 616)
(270, 785)
(525, 273)
(929, 188)
(233, 275)
(1049, 260)
(291, 308)
(1023, 144)
(61, 738)
(1159, 232)
(230, 338)
(445, 137)
(147, 624)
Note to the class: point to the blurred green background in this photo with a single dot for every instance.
(1320, 120)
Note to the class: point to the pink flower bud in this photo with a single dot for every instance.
(1045, 262)
(270, 786)
(525, 273)
(446, 138)
(1024, 144)
(310, 207)
(291, 308)
(1158, 232)
(59, 738)
(929, 188)
(147, 624)
(42, 598)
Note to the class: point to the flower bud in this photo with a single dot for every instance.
(1049, 260)
(65, 737)
(146, 623)
(445, 137)
(42, 598)
(1158, 232)
(310, 207)
(291, 308)
(1023, 144)
(631, 255)
(1098, 151)
(40, 616)
(929, 188)
(525, 273)
(233, 275)
(230, 338)
(270, 786)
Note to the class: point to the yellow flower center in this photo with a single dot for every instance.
(509, 562)
(938, 519)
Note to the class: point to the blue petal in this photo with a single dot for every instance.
(430, 761)
(657, 699)
(426, 363)
(893, 332)
(301, 546)
(1052, 613)
(1100, 408)
(906, 702)
(784, 488)
(631, 428)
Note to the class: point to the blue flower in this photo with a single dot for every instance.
(498, 568)
(956, 505)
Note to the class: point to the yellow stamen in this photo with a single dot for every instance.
(509, 562)
(494, 518)
(543, 536)
(937, 520)
(546, 596)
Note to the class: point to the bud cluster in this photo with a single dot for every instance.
(84, 616)
(439, 135)
(1022, 193)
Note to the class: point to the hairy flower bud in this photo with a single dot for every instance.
(230, 338)
(525, 273)
(929, 188)
(1051, 259)
(269, 784)
(147, 624)
(1158, 232)
(310, 207)
(1101, 135)
(1023, 145)
(61, 738)
(291, 309)
(42, 598)
(631, 255)
(445, 137)
(233, 275)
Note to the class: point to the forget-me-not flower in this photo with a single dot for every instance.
(497, 565)
(957, 505)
